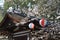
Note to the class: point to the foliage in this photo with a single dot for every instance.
(7, 5)
(46, 7)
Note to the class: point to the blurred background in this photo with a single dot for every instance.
(49, 9)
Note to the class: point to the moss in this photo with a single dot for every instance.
(1, 17)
